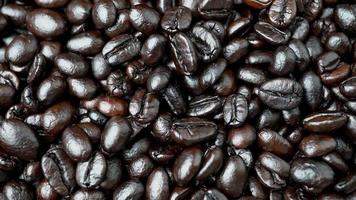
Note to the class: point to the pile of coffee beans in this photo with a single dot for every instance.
(178, 99)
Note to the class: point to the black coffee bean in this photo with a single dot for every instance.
(281, 93)
(271, 34)
(21, 49)
(129, 190)
(76, 143)
(187, 165)
(176, 19)
(207, 45)
(91, 173)
(45, 23)
(281, 13)
(188, 131)
(18, 139)
(121, 49)
(87, 43)
(284, 60)
(183, 53)
(144, 19)
(103, 13)
(235, 110)
(58, 170)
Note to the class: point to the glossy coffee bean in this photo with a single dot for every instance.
(344, 17)
(183, 53)
(144, 19)
(317, 145)
(271, 34)
(187, 165)
(235, 49)
(76, 143)
(284, 60)
(281, 93)
(103, 13)
(21, 49)
(188, 131)
(201, 106)
(158, 79)
(242, 137)
(206, 43)
(115, 134)
(58, 170)
(271, 141)
(17, 190)
(233, 177)
(153, 48)
(121, 49)
(212, 73)
(282, 13)
(235, 110)
(45, 23)
(72, 64)
(212, 163)
(87, 43)
(176, 19)
(324, 122)
(129, 190)
(319, 175)
(44, 191)
(88, 194)
(91, 172)
(212, 9)
(78, 11)
(157, 185)
(18, 139)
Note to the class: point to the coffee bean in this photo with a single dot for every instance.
(281, 93)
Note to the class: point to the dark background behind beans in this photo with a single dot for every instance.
(178, 99)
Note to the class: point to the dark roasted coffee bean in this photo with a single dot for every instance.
(15, 13)
(242, 137)
(21, 49)
(207, 45)
(45, 23)
(271, 141)
(258, 4)
(311, 8)
(121, 25)
(58, 170)
(144, 19)
(188, 131)
(153, 49)
(201, 106)
(103, 13)
(346, 185)
(337, 75)
(348, 88)
(233, 177)
(51, 4)
(175, 100)
(336, 162)
(45, 191)
(17, 190)
(140, 167)
(312, 89)
(212, 73)
(271, 34)
(88, 194)
(235, 50)
(157, 186)
(130, 189)
(187, 165)
(319, 174)
(324, 122)
(345, 16)
(136, 150)
(183, 53)
(158, 79)
(281, 93)
(117, 83)
(338, 42)
(328, 61)
(212, 162)
(83, 88)
(284, 60)
(144, 106)
(317, 145)
(76, 143)
(115, 134)
(72, 64)
(99, 67)
(112, 106)
(91, 173)
(259, 57)
(113, 174)
(18, 139)
(281, 13)
(50, 89)
(161, 127)
(138, 71)
(78, 11)
(87, 43)
(235, 110)
(121, 49)
(214, 9)
(176, 19)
